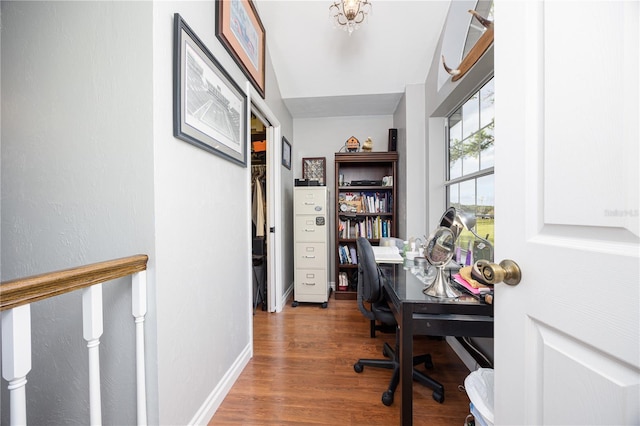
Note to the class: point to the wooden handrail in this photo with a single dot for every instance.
(22, 291)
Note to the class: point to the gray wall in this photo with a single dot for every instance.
(323, 137)
(412, 150)
(77, 185)
(442, 97)
(202, 239)
(91, 171)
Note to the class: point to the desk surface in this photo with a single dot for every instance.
(404, 284)
(419, 314)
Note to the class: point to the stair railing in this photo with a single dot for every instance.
(16, 297)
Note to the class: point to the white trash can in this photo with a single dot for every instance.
(479, 387)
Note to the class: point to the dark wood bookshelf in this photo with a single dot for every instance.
(368, 167)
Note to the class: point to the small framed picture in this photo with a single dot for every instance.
(314, 168)
(286, 153)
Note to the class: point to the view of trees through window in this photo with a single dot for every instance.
(470, 187)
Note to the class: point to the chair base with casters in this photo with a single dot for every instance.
(393, 363)
(373, 305)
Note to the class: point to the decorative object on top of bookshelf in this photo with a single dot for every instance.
(393, 140)
(314, 168)
(367, 146)
(286, 153)
(240, 17)
(198, 77)
(352, 144)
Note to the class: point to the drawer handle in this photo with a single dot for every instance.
(308, 203)
(309, 230)
(309, 257)
(309, 283)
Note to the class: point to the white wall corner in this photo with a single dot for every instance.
(209, 407)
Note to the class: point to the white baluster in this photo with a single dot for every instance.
(92, 330)
(16, 359)
(139, 310)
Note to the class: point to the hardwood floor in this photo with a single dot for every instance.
(302, 373)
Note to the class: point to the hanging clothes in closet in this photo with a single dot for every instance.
(258, 205)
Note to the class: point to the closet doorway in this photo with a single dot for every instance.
(259, 229)
(273, 196)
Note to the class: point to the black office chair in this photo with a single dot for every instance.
(370, 290)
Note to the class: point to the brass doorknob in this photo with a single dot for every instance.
(507, 271)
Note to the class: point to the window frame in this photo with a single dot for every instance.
(473, 176)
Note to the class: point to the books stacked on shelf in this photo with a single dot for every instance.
(376, 202)
(366, 202)
(368, 227)
(347, 255)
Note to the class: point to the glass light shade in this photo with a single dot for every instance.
(349, 13)
(351, 8)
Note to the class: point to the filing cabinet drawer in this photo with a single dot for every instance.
(310, 201)
(307, 228)
(311, 255)
(310, 281)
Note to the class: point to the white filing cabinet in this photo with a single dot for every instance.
(311, 239)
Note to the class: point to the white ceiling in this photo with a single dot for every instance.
(322, 71)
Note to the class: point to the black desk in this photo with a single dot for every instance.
(419, 314)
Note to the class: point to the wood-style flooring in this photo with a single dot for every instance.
(302, 373)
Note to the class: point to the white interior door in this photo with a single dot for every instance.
(567, 345)
(274, 251)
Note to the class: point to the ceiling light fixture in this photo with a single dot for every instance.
(349, 14)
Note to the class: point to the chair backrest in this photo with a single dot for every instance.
(369, 277)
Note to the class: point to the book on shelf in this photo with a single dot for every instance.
(347, 255)
(354, 255)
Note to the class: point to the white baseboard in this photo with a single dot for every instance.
(286, 295)
(206, 411)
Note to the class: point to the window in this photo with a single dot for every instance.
(469, 184)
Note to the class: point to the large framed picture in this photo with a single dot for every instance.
(239, 29)
(209, 108)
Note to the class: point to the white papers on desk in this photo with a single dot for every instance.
(387, 254)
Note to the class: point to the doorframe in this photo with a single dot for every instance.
(274, 198)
